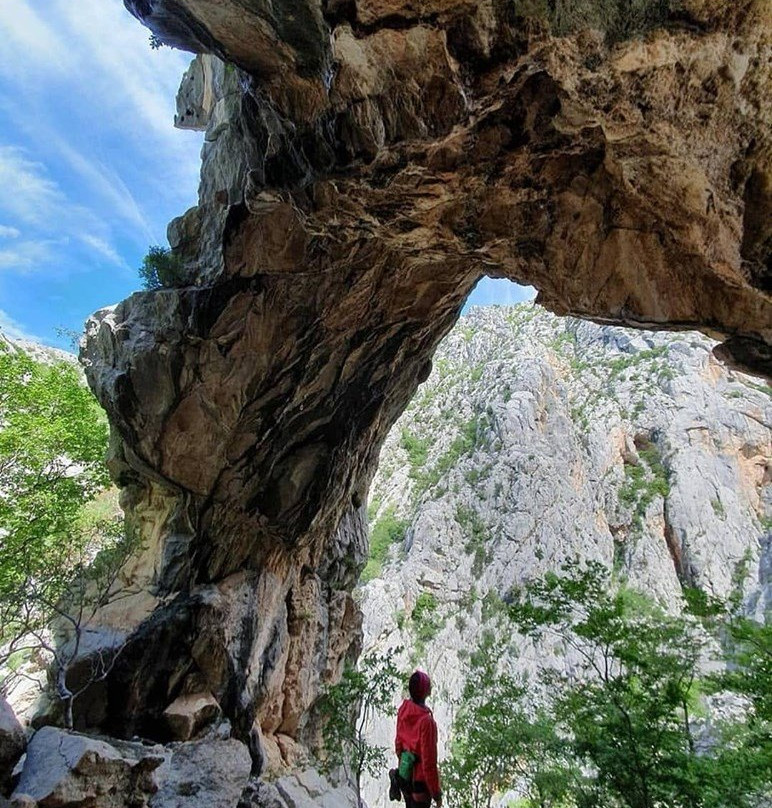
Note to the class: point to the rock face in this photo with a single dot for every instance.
(537, 441)
(65, 770)
(365, 163)
(13, 741)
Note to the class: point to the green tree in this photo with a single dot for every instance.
(347, 709)
(161, 267)
(739, 771)
(58, 563)
(501, 741)
(629, 700)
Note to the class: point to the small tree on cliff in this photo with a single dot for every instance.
(161, 268)
(501, 741)
(628, 703)
(348, 707)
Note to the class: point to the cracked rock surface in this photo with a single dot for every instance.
(364, 164)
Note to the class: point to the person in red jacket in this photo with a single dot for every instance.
(417, 733)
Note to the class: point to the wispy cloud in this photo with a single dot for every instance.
(34, 196)
(25, 256)
(13, 329)
(91, 168)
(50, 218)
(101, 246)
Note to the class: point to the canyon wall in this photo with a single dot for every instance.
(364, 164)
(540, 441)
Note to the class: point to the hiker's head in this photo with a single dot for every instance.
(420, 686)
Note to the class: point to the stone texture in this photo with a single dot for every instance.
(13, 741)
(364, 165)
(189, 713)
(203, 774)
(65, 770)
(305, 788)
(532, 427)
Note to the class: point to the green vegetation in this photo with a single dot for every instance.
(618, 19)
(476, 537)
(417, 450)
(425, 619)
(643, 482)
(347, 708)
(621, 729)
(499, 743)
(161, 268)
(463, 444)
(386, 531)
(61, 547)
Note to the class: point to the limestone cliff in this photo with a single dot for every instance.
(538, 441)
(365, 163)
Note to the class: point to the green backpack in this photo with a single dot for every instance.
(407, 761)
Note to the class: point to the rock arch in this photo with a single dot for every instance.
(364, 165)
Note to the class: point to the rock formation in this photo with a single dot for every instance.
(365, 163)
(539, 441)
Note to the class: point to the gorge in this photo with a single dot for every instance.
(365, 164)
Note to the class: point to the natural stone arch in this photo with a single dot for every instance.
(344, 216)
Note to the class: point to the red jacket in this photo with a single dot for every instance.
(417, 733)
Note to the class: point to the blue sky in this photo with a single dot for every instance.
(91, 167)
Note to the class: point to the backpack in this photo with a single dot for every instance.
(407, 761)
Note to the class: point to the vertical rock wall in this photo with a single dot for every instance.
(364, 164)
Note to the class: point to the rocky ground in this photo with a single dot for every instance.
(538, 440)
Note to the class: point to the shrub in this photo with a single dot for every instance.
(386, 531)
(161, 268)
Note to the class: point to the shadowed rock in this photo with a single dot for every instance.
(364, 165)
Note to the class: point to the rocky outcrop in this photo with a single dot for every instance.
(64, 770)
(365, 163)
(539, 441)
(13, 741)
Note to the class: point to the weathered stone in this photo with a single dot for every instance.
(190, 713)
(361, 171)
(66, 769)
(203, 774)
(13, 741)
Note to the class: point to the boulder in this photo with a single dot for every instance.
(66, 769)
(13, 741)
(204, 774)
(188, 714)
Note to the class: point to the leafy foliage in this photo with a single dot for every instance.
(348, 706)
(161, 267)
(500, 744)
(52, 445)
(628, 704)
(386, 531)
(59, 559)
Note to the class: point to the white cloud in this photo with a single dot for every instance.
(54, 219)
(14, 329)
(34, 197)
(25, 256)
(101, 246)
(83, 87)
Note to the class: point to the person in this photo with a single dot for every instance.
(417, 733)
